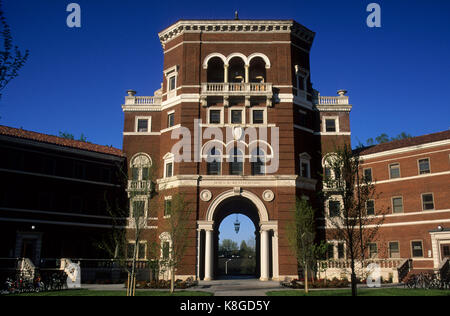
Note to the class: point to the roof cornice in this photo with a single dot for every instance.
(236, 26)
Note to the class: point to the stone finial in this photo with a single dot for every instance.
(131, 93)
(236, 15)
(342, 92)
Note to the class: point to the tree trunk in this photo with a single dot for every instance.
(353, 277)
(306, 279)
(172, 279)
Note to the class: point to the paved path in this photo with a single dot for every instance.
(226, 287)
(238, 287)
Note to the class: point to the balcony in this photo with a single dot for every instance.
(237, 89)
(342, 99)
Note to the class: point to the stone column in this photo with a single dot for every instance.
(209, 255)
(275, 263)
(199, 236)
(246, 73)
(264, 255)
(225, 73)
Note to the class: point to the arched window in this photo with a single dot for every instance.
(215, 71)
(140, 167)
(236, 159)
(257, 70)
(213, 161)
(258, 161)
(236, 72)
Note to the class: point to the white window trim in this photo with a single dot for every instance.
(305, 158)
(170, 73)
(421, 199)
(399, 170)
(335, 244)
(389, 248)
(374, 212)
(131, 219)
(169, 158)
(371, 173)
(239, 108)
(221, 115)
(418, 166)
(336, 123)
(229, 160)
(259, 108)
(165, 237)
(412, 250)
(149, 120)
(220, 161)
(144, 242)
(166, 198)
(392, 203)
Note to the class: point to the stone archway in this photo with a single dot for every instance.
(243, 202)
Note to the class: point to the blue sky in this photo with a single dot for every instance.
(76, 79)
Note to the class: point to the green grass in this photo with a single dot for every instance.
(115, 293)
(363, 292)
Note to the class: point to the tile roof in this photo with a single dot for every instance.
(413, 141)
(51, 139)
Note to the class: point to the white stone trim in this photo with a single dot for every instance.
(222, 118)
(149, 124)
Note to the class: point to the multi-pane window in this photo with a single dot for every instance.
(170, 119)
(138, 209)
(236, 162)
(258, 161)
(142, 125)
(169, 169)
(330, 125)
(141, 254)
(417, 249)
(165, 250)
(341, 250)
(397, 205)
(258, 116)
(172, 83)
(370, 207)
(368, 174)
(304, 169)
(424, 166)
(394, 171)
(213, 162)
(394, 249)
(303, 118)
(330, 251)
(236, 116)
(167, 207)
(427, 201)
(373, 250)
(334, 208)
(214, 116)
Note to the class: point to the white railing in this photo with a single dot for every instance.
(26, 268)
(237, 88)
(341, 100)
(139, 185)
(142, 100)
(346, 264)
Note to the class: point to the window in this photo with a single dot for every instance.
(330, 251)
(373, 250)
(213, 162)
(258, 116)
(370, 207)
(417, 249)
(169, 169)
(327, 173)
(167, 207)
(215, 116)
(236, 162)
(170, 119)
(334, 208)
(303, 118)
(424, 166)
(305, 165)
(258, 162)
(140, 167)
(142, 249)
(394, 171)
(138, 209)
(394, 250)
(341, 251)
(142, 125)
(172, 83)
(165, 250)
(397, 205)
(427, 201)
(368, 174)
(330, 125)
(236, 116)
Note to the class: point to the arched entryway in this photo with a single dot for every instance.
(232, 202)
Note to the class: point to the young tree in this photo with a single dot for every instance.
(301, 237)
(136, 211)
(177, 227)
(346, 192)
(11, 58)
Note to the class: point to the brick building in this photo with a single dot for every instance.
(241, 78)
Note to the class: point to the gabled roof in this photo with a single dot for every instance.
(51, 139)
(408, 142)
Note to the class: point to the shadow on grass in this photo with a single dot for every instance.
(363, 292)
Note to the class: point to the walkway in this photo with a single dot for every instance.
(238, 287)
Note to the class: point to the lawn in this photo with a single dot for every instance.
(363, 292)
(115, 293)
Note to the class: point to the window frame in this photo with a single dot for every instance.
(231, 161)
(412, 248)
(399, 170)
(149, 124)
(392, 201)
(264, 115)
(336, 124)
(367, 213)
(423, 203)
(389, 249)
(429, 166)
(221, 122)
(210, 159)
(370, 250)
(167, 200)
(170, 114)
(371, 174)
(305, 158)
(242, 110)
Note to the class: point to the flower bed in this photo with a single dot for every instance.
(317, 284)
(165, 284)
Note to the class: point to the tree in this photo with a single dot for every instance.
(346, 194)
(176, 227)
(384, 138)
(301, 237)
(11, 58)
(228, 247)
(70, 136)
(136, 211)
